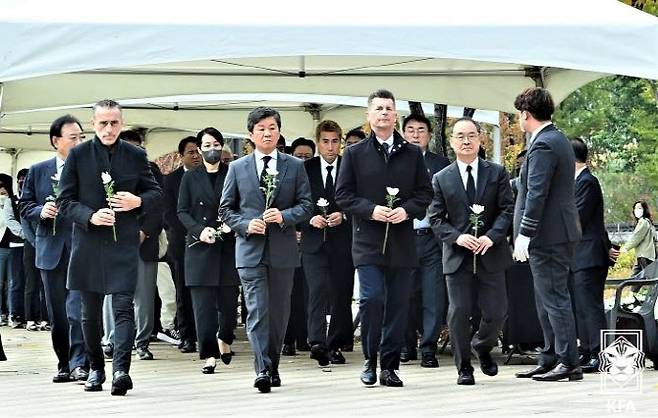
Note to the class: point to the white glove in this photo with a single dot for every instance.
(521, 248)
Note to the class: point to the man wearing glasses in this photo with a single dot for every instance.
(53, 247)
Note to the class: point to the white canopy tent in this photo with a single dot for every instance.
(68, 54)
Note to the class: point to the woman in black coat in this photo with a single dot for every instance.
(210, 272)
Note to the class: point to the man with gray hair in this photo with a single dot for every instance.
(105, 184)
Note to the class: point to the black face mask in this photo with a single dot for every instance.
(211, 156)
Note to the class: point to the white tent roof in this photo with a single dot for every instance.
(478, 53)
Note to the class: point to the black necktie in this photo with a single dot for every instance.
(470, 185)
(329, 184)
(266, 160)
(385, 147)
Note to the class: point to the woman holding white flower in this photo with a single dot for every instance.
(210, 272)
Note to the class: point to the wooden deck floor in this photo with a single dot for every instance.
(172, 385)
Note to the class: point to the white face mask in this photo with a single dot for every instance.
(638, 213)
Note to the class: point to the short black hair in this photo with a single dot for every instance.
(7, 181)
(132, 136)
(471, 120)
(22, 173)
(58, 124)
(212, 132)
(579, 149)
(536, 101)
(183, 143)
(261, 113)
(382, 94)
(356, 132)
(300, 142)
(417, 118)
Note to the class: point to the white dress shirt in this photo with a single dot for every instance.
(324, 172)
(536, 132)
(389, 141)
(60, 165)
(259, 160)
(474, 171)
(580, 170)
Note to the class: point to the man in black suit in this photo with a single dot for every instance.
(593, 256)
(325, 245)
(547, 230)
(475, 254)
(105, 242)
(266, 252)
(428, 300)
(383, 247)
(53, 249)
(190, 157)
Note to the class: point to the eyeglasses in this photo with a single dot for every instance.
(461, 137)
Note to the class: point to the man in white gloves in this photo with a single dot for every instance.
(547, 229)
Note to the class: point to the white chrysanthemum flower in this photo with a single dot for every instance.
(477, 209)
(393, 191)
(272, 171)
(55, 177)
(105, 176)
(322, 202)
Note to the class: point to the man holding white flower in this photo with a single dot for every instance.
(383, 184)
(105, 244)
(53, 247)
(265, 195)
(471, 213)
(326, 256)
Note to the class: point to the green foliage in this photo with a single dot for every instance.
(622, 269)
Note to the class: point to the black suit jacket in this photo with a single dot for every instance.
(365, 174)
(435, 163)
(592, 250)
(450, 215)
(175, 229)
(151, 223)
(545, 207)
(198, 204)
(98, 263)
(339, 237)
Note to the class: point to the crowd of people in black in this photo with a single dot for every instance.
(285, 229)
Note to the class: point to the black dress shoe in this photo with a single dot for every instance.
(369, 373)
(79, 374)
(303, 346)
(320, 353)
(188, 347)
(288, 350)
(408, 354)
(466, 377)
(390, 378)
(487, 363)
(95, 381)
(560, 372)
(533, 372)
(62, 376)
(336, 357)
(263, 382)
(226, 358)
(276, 379)
(121, 383)
(208, 369)
(429, 360)
(592, 366)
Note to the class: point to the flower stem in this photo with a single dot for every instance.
(385, 239)
(54, 225)
(475, 267)
(114, 233)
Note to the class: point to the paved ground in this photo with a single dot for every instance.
(173, 385)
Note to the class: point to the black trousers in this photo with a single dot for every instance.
(492, 303)
(588, 286)
(184, 310)
(123, 312)
(330, 287)
(550, 270)
(215, 315)
(296, 331)
(35, 300)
